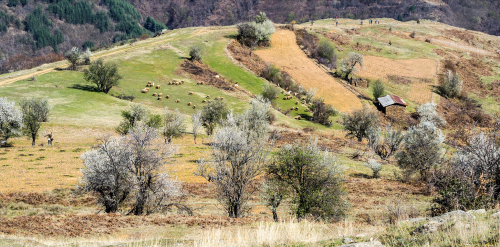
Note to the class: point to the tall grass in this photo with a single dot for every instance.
(275, 234)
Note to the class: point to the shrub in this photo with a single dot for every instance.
(322, 112)
(131, 118)
(422, 150)
(86, 56)
(378, 89)
(359, 122)
(174, 124)
(261, 17)
(270, 92)
(451, 85)
(195, 53)
(253, 33)
(314, 177)
(374, 166)
(326, 50)
(272, 73)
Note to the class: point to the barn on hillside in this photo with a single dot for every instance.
(394, 106)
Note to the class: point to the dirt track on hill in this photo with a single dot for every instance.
(285, 53)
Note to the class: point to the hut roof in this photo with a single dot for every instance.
(391, 100)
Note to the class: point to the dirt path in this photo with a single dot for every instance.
(285, 53)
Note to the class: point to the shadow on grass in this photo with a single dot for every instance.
(360, 175)
(88, 88)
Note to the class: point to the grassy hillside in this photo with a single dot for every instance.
(35, 194)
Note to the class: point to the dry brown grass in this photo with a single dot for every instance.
(285, 53)
(421, 92)
(381, 68)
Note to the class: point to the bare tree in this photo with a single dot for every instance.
(197, 124)
(11, 120)
(392, 140)
(238, 152)
(175, 124)
(35, 111)
(131, 167)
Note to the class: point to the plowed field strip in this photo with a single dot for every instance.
(285, 53)
(380, 68)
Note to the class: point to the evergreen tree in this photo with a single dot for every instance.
(153, 25)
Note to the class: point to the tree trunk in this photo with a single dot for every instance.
(275, 215)
(33, 138)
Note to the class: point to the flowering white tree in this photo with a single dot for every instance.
(428, 113)
(239, 149)
(11, 120)
(348, 64)
(422, 149)
(131, 167)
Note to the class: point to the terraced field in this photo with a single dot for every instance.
(285, 53)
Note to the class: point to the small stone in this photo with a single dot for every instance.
(365, 244)
(479, 211)
(429, 227)
(495, 215)
(347, 240)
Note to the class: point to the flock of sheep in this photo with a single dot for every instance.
(175, 82)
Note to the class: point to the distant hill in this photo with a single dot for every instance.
(33, 32)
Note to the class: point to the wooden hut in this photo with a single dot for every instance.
(394, 106)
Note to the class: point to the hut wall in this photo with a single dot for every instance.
(396, 111)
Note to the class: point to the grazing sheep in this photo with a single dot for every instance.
(169, 83)
(297, 103)
(221, 98)
(160, 94)
(177, 83)
(296, 108)
(182, 82)
(208, 96)
(157, 86)
(159, 98)
(194, 107)
(276, 97)
(144, 90)
(189, 104)
(209, 101)
(298, 118)
(190, 93)
(217, 98)
(155, 94)
(167, 97)
(204, 101)
(178, 101)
